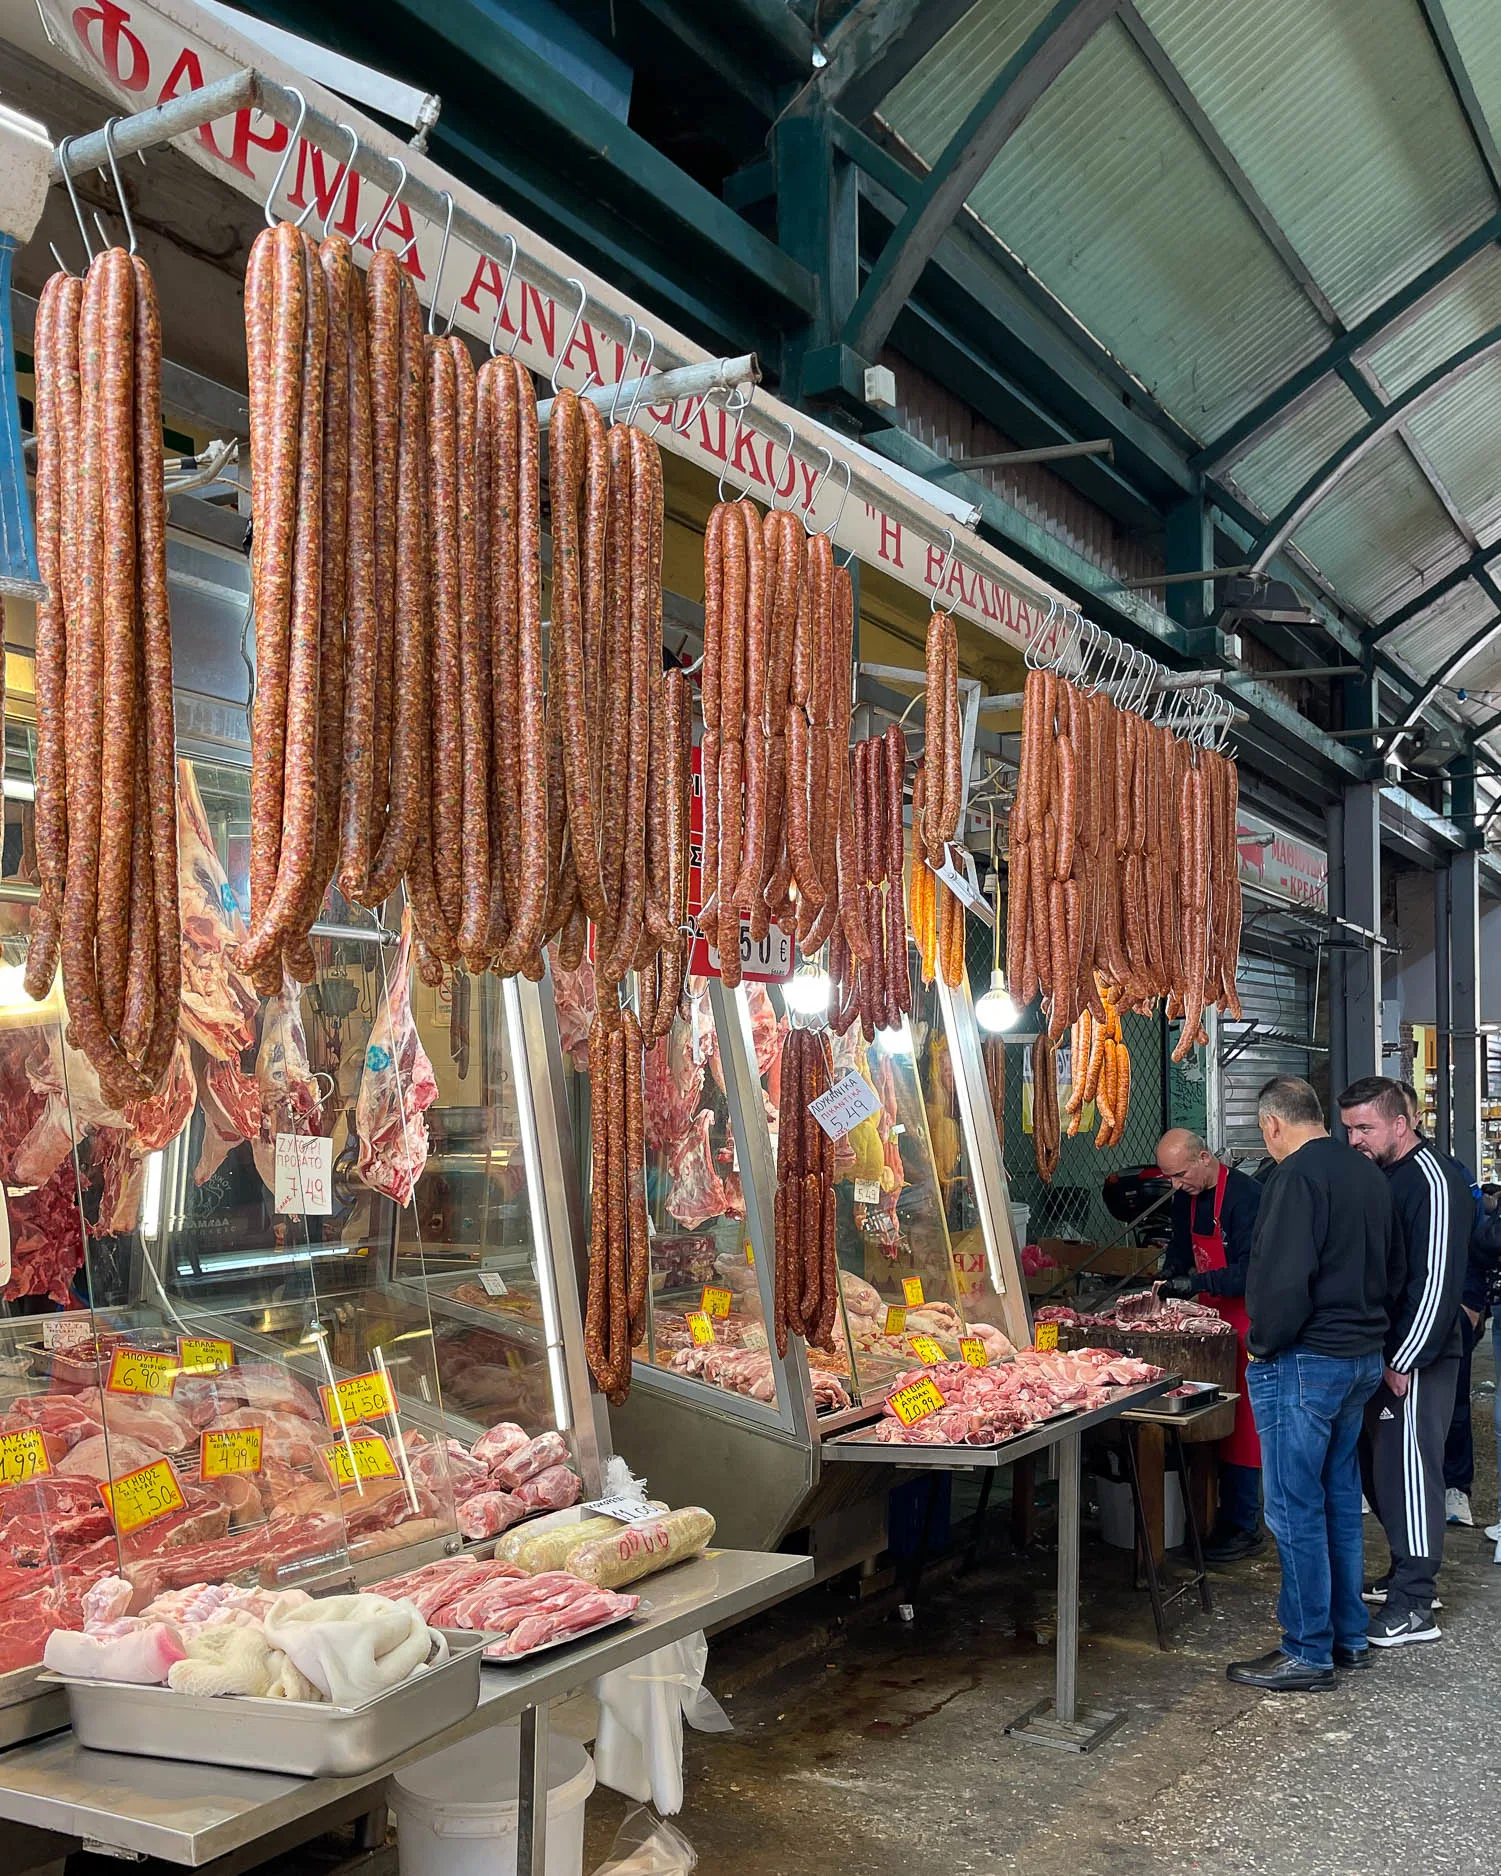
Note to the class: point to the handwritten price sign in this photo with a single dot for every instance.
(224, 1451)
(1047, 1335)
(304, 1175)
(927, 1350)
(202, 1355)
(972, 1349)
(23, 1456)
(350, 1462)
(361, 1397)
(135, 1371)
(701, 1329)
(716, 1302)
(912, 1290)
(847, 1103)
(916, 1401)
(141, 1497)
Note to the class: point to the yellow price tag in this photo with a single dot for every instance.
(896, 1319)
(226, 1450)
(361, 1397)
(716, 1302)
(23, 1456)
(973, 1351)
(916, 1401)
(134, 1371)
(200, 1354)
(912, 1290)
(927, 1350)
(701, 1329)
(750, 1254)
(142, 1496)
(1047, 1335)
(350, 1461)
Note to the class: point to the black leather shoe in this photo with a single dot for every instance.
(1231, 1546)
(1278, 1673)
(1351, 1657)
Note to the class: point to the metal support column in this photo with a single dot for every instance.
(1361, 853)
(1441, 1017)
(1188, 541)
(1464, 1004)
(1334, 959)
(531, 1820)
(817, 225)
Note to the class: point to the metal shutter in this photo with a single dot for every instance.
(1279, 996)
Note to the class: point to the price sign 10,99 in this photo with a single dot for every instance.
(916, 1401)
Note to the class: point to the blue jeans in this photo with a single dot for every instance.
(1308, 1410)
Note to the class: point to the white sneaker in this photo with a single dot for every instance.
(1493, 1532)
(1457, 1506)
(1365, 1507)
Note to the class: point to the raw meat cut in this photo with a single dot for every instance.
(50, 1519)
(67, 1417)
(112, 1458)
(674, 1084)
(497, 1445)
(286, 1437)
(396, 1089)
(697, 1194)
(290, 1101)
(1143, 1309)
(231, 1102)
(574, 996)
(142, 1653)
(218, 1005)
(553, 1489)
(547, 1449)
(487, 1514)
(46, 1238)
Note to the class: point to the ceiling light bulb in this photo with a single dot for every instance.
(996, 1010)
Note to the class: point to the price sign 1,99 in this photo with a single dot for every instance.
(23, 1456)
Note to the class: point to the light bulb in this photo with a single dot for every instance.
(807, 993)
(996, 1010)
(895, 1041)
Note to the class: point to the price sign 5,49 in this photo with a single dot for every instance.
(972, 1349)
(927, 1351)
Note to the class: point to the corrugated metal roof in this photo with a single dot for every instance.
(1277, 467)
(932, 101)
(1476, 26)
(1456, 318)
(1426, 642)
(1341, 116)
(1382, 532)
(1458, 433)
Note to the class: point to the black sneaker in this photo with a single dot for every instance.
(1395, 1631)
(1374, 1593)
(1231, 1546)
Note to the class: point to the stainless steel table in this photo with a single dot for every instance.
(189, 1814)
(1060, 1721)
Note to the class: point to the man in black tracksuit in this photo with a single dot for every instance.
(1407, 1419)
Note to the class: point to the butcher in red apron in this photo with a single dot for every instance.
(1213, 1219)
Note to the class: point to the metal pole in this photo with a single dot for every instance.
(1467, 1040)
(715, 374)
(1053, 452)
(1334, 839)
(1068, 1580)
(177, 118)
(1442, 1026)
(531, 1819)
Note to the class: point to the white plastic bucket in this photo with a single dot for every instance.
(1118, 1521)
(457, 1812)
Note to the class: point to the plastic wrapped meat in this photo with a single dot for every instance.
(551, 1490)
(548, 1449)
(66, 1417)
(497, 1445)
(396, 1089)
(697, 1193)
(218, 1005)
(487, 1514)
(289, 1094)
(574, 996)
(286, 1437)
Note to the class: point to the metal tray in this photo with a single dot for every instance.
(28, 1709)
(1203, 1395)
(562, 1641)
(307, 1738)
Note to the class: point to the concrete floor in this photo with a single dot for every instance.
(876, 1747)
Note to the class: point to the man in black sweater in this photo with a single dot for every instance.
(1316, 1292)
(1407, 1421)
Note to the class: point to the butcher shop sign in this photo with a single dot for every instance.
(147, 54)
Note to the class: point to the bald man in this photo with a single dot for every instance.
(1214, 1218)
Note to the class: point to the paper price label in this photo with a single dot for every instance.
(958, 874)
(66, 1331)
(896, 1319)
(492, 1282)
(134, 1371)
(867, 1191)
(623, 1510)
(223, 1451)
(202, 1355)
(912, 1290)
(765, 960)
(351, 1461)
(361, 1397)
(716, 1302)
(304, 1175)
(1047, 1335)
(23, 1456)
(916, 1401)
(972, 1350)
(927, 1350)
(701, 1329)
(143, 1496)
(847, 1103)
(750, 1255)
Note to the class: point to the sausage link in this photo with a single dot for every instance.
(617, 1197)
(636, 675)
(118, 730)
(388, 288)
(595, 498)
(362, 618)
(713, 612)
(567, 440)
(799, 808)
(730, 837)
(446, 746)
(615, 699)
(639, 1259)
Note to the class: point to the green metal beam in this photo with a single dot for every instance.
(1327, 477)
(1000, 110)
(872, 49)
(1462, 85)
(1384, 321)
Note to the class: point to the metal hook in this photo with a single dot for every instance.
(849, 481)
(114, 171)
(823, 476)
(1030, 656)
(500, 305)
(567, 345)
(83, 233)
(286, 156)
(943, 571)
(625, 363)
(771, 477)
(372, 237)
(651, 352)
(339, 178)
(432, 311)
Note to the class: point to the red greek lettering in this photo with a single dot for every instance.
(782, 493)
(239, 157)
(891, 540)
(115, 37)
(745, 446)
(489, 280)
(585, 337)
(188, 67)
(716, 446)
(325, 185)
(547, 319)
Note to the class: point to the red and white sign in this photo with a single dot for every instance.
(1276, 863)
(144, 54)
(768, 960)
